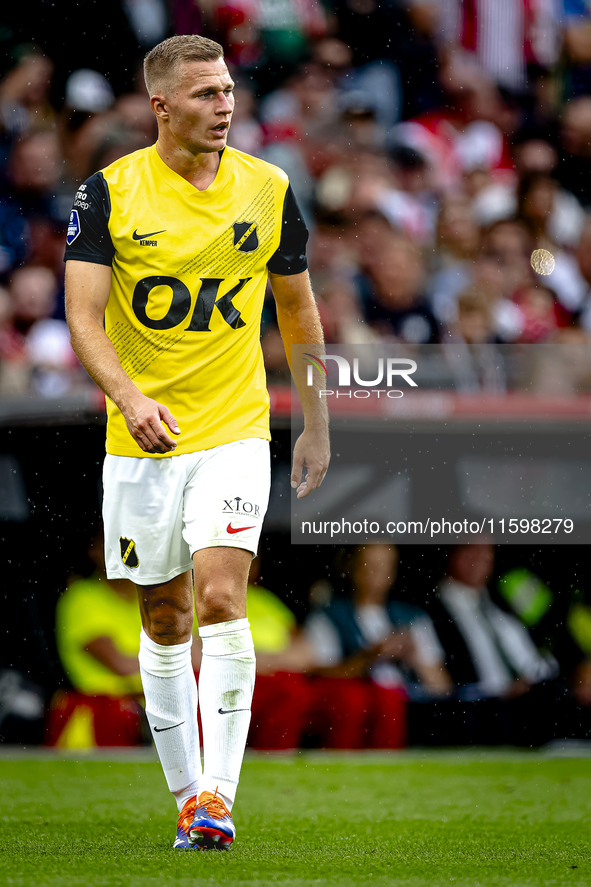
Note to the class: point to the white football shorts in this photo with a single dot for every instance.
(159, 512)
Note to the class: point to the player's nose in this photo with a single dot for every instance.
(225, 104)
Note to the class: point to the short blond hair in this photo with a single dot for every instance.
(161, 63)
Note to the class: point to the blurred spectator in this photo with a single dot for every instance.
(53, 363)
(283, 148)
(149, 20)
(287, 27)
(29, 214)
(358, 127)
(33, 168)
(574, 167)
(13, 377)
(369, 654)
(506, 37)
(457, 244)
(559, 622)
(268, 39)
(474, 366)
(32, 295)
(135, 114)
(535, 198)
(24, 96)
(14, 235)
(97, 633)
(474, 318)
(410, 205)
(577, 43)
(541, 312)
(37, 346)
(462, 135)
(392, 292)
(583, 259)
(341, 313)
(546, 615)
(308, 97)
(457, 234)
(491, 656)
(391, 44)
(88, 92)
(501, 270)
(246, 133)
(534, 154)
(351, 185)
(509, 244)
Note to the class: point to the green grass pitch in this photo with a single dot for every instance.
(466, 819)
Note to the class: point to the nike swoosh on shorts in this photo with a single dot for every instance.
(231, 529)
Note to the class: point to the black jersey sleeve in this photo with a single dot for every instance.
(88, 238)
(290, 256)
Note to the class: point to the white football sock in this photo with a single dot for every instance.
(171, 708)
(226, 684)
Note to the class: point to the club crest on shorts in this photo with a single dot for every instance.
(128, 553)
(245, 237)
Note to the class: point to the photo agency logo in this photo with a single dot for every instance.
(389, 371)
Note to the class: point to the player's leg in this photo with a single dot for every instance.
(143, 542)
(228, 666)
(226, 684)
(225, 503)
(169, 682)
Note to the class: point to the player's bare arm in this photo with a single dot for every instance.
(299, 324)
(87, 294)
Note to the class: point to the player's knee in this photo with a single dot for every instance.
(168, 621)
(219, 602)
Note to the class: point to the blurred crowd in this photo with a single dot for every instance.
(440, 151)
(483, 657)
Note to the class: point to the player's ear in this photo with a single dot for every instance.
(158, 105)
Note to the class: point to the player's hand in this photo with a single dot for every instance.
(312, 454)
(144, 418)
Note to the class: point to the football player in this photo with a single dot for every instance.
(168, 254)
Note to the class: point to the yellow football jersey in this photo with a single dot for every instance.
(188, 284)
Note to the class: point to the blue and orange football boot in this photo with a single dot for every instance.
(205, 824)
(182, 829)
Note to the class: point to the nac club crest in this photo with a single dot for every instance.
(245, 237)
(129, 553)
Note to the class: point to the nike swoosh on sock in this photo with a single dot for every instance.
(163, 729)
